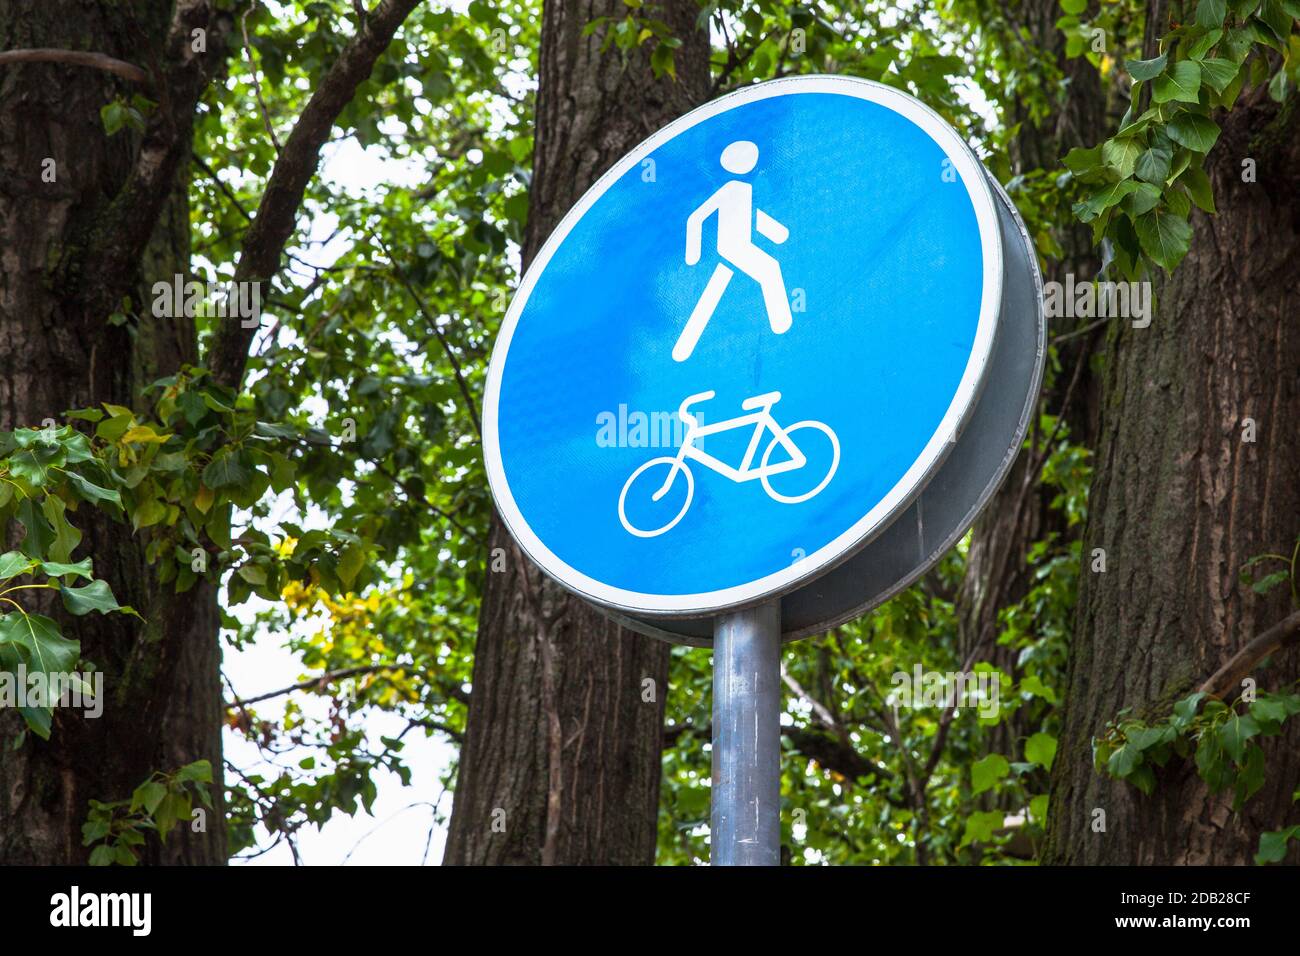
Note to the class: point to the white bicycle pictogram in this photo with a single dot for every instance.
(760, 407)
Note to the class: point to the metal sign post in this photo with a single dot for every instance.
(746, 819)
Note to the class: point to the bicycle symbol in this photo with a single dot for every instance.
(761, 418)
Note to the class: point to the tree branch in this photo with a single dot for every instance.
(1284, 634)
(120, 236)
(277, 214)
(96, 61)
(429, 317)
(318, 684)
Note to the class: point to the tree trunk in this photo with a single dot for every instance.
(1020, 513)
(561, 762)
(1180, 501)
(161, 680)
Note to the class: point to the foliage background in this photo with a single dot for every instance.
(342, 498)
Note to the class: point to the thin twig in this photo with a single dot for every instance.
(433, 324)
(257, 83)
(229, 193)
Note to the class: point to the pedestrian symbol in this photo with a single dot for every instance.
(737, 220)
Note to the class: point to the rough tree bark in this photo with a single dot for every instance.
(562, 754)
(114, 220)
(1180, 501)
(58, 351)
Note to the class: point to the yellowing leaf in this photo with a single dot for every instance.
(143, 433)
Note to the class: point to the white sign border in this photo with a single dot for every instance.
(913, 480)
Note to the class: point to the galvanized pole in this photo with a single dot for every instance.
(746, 824)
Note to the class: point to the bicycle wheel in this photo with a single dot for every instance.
(647, 510)
(830, 473)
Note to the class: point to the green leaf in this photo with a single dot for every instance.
(1185, 710)
(147, 796)
(351, 561)
(66, 537)
(1268, 710)
(1182, 83)
(661, 61)
(1153, 165)
(57, 569)
(200, 771)
(275, 430)
(45, 649)
(1080, 160)
(1270, 581)
(1198, 187)
(254, 574)
(1273, 846)
(111, 429)
(981, 826)
(1210, 13)
(174, 807)
(1234, 734)
(226, 471)
(1144, 778)
(1121, 153)
(36, 543)
(14, 563)
(1142, 70)
(1092, 207)
(1204, 44)
(1218, 73)
(1038, 808)
(1144, 738)
(1145, 198)
(102, 855)
(1034, 685)
(33, 464)
(94, 830)
(984, 774)
(1041, 749)
(92, 492)
(218, 527)
(1124, 761)
(112, 116)
(1164, 237)
(95, 596)
(1277, 86)
(1194, 131)
(1074, 7)
(1251, 777)
(148, 513)
(1178, 203)
(1277, 18)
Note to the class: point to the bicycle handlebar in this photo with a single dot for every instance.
(690, 400)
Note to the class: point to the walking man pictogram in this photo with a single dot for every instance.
(734, 204)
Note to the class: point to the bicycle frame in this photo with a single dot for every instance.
(762, 421)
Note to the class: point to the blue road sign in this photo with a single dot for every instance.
(746, 349)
